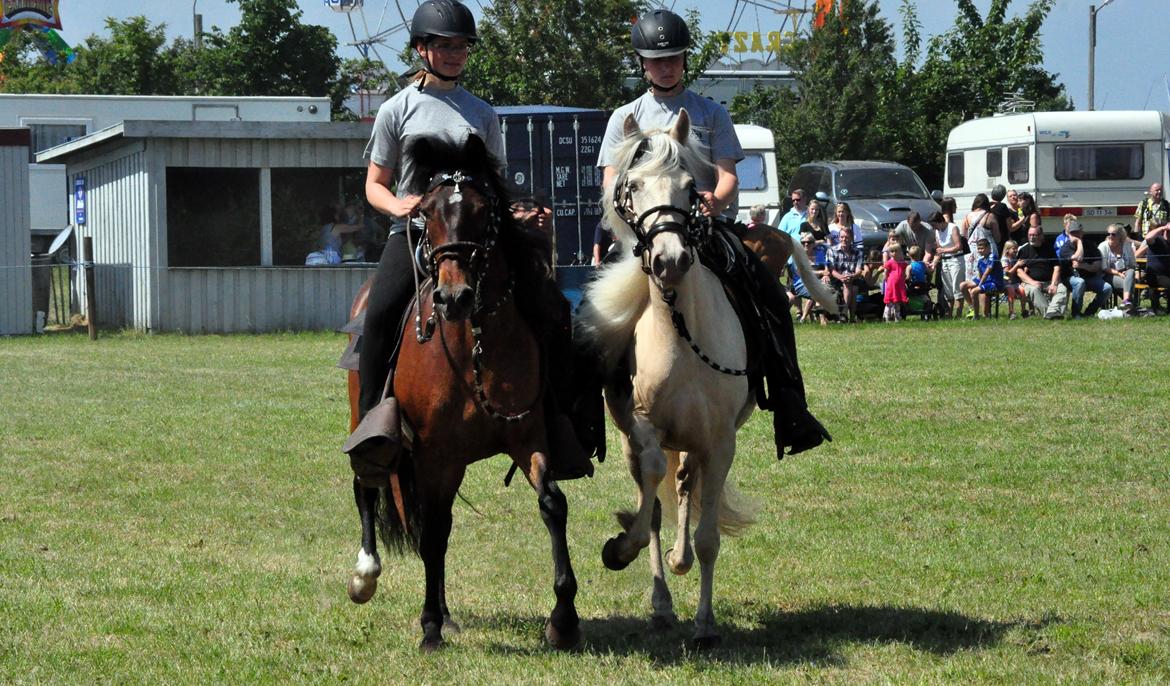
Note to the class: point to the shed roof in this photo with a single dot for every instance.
(252, 130)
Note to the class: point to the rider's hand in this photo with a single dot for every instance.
(710, 205)
(404, 207)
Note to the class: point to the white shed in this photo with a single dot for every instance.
(16, 315)
(203, 227)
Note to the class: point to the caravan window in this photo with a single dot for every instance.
(955, 170)
(994, 162)
(45, 136)
(1103, 162)
(750, 171)
(1018, 165)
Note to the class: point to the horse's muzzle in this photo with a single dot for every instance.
(454, 302)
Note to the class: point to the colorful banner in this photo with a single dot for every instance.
(38, 13)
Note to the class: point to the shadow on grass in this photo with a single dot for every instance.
(814, 635)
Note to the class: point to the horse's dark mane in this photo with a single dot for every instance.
(528, 255)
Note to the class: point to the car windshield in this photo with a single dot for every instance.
(880, 182)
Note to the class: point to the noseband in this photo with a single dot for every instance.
(693, 230)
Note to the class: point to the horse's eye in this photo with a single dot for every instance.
(636, 186)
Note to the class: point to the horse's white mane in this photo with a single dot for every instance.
(615, 300)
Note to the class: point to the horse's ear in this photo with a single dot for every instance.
(681, 131)
(630, 127)
(475, 148)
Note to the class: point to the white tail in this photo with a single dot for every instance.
(736, 511)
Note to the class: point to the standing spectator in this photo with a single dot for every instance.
(757, 216)
(602, 242)
(912, 231)
(948, 262)
(1119, 264)
(1156, 250)
(1152, 213)
(1084, 260)
(1040, 274)
(844, 262)
(979, 223)
(842, 219)
(894, 293)
(949, 207)
(790, 224)
(989, 282)
(817, 223)
(1011, 282)
(1028, 217)
(1003, 214)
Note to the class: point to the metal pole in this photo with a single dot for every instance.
(1092, 50)
(90, 294)
(197, 24)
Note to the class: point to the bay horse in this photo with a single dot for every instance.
(771, 245)
(678, 411)
(469, 382)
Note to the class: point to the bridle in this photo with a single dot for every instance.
(473, 257)
(693, 230)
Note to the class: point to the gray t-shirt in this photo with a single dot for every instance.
(453, 114)
(710, 126)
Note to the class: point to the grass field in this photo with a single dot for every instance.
(174, 510)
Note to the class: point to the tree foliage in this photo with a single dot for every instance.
(853, 100)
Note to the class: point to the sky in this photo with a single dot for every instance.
(1132, 55)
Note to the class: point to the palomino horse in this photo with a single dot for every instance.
(678, 412)
(469, 383)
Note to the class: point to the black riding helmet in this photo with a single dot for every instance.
(660, 33)
(447, 18)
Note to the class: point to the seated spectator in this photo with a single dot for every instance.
(1119, 264)
(1011, 282)
(1156, 249)
(844, 262)
(799, 295)
(1083, 262)
(330, 239)
(1039, 271)
(987, 284)
(917, 274)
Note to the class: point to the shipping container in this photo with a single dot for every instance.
(555, 149)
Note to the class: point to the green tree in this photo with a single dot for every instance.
(24, 70)
(841, 106)
(133, 60)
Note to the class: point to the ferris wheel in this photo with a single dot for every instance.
(368, 36)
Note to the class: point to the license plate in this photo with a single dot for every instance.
(1100, 211)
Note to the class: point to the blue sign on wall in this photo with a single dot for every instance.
(79, 200)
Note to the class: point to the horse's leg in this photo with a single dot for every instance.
(436, 495)
(563, 630)
(648, 465)
(364, 581)
(660, 600)
(680, 557)
(712, 478)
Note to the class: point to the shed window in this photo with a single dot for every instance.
(955, 170)
(213, 217)
(994, 162)
(306, 201)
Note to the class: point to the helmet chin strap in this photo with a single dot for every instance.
(658, 86)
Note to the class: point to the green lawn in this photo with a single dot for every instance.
(993, 508)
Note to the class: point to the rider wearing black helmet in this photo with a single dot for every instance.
(442, 33)
(661, 40)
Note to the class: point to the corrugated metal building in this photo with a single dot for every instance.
(16, 315)
(182, 220)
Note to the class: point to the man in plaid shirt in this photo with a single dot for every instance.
(1154, 212)
(844, 262)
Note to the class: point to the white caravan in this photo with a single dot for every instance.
(1096, 165)
(758, 184)
(56, 119)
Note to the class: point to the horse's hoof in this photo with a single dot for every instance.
(450, 626)
(663, 623)
(678, 567)
(562, 639)
(609, 554)
(706, 642)
(430, 645)
(361, 590)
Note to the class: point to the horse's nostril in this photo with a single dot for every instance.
(684, 262)
(438, 297)
(658, 265)
(464, 298)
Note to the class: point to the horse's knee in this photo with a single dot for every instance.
(554, 507)
(707, 543)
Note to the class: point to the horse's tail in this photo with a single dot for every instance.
(399, 517)
(613, 303)
(822, 295)
(736, 511)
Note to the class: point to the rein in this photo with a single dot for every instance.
(695, 232)
(474, 256)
